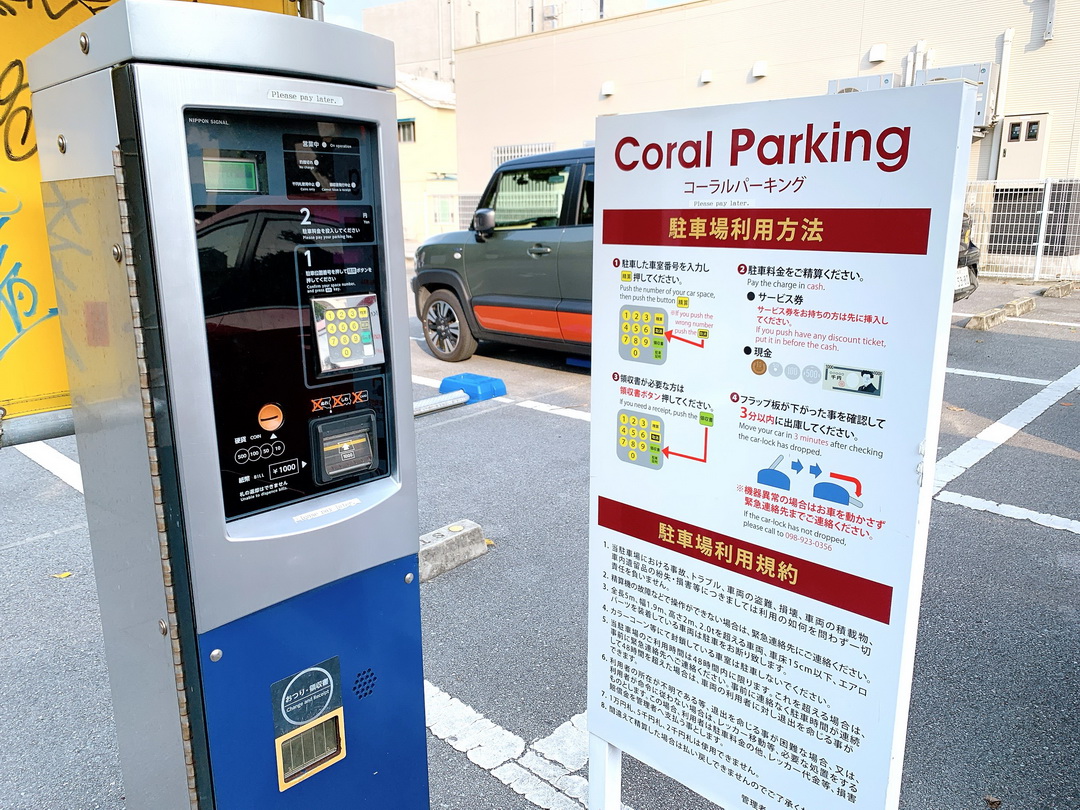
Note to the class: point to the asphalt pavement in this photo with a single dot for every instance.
(995, 709)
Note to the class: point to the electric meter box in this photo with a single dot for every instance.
(226, 236)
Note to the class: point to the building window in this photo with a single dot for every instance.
(406, 131)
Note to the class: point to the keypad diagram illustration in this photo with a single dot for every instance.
(641, 335)
(346, 330)
(641, 439)
(352, 326)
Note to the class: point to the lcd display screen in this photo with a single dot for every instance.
(231, 175)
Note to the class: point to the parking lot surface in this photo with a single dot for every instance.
(995, 709)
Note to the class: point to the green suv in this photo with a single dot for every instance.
(522, 273)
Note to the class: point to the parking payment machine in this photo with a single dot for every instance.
(225, 229)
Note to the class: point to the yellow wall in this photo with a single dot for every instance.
(32, 374)
(431, 155)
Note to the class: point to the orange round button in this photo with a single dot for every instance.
(270, 416)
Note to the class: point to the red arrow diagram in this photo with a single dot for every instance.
(855, 481)
(670, 335)
(668, 452)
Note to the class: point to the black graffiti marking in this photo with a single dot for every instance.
(14, 77)
(7, 9)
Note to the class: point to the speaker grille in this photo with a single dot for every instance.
(364, 684)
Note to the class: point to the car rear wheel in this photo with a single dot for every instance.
(445, 330)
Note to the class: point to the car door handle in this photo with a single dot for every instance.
(539, 250)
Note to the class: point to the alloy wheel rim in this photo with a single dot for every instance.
(443, 327)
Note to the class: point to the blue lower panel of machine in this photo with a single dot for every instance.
(318, 701)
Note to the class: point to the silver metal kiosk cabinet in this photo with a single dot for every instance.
(222, 187)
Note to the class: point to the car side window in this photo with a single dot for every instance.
(585, 207)
(529, 198)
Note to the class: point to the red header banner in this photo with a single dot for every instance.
(837, 588)
(902, 231)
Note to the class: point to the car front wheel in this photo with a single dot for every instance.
(445, 330)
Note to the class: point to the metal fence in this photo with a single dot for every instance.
(467, 205)
(1026, 229)
(501, 154)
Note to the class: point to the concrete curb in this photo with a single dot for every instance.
(1019, 306)
(1059, 290)
(985, 321)
(449, 547)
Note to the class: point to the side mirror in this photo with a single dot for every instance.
(483, 222)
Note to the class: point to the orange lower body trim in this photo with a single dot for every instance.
(576, 326)
(542, 323)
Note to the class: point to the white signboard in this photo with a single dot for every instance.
(772, 287)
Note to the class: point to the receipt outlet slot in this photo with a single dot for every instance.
(231, 277)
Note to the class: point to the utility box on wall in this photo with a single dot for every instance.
(858, 84)
(985, 77)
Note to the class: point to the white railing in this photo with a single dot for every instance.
(467, 205)
(1027, 229)
(501, 154)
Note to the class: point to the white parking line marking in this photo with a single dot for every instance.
(464, 728)
(428, 381)
(55, 462)
(1023, 320)
(584, 416)
(1047, 323)
(532, 405)
(549, 773)
(1004, 509)
(1005, 377)
(45, 536)
(975, 450)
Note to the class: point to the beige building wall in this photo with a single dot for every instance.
(547, 86)
(428, 163)
(425, 32)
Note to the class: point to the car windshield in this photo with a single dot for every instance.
(529, 198)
